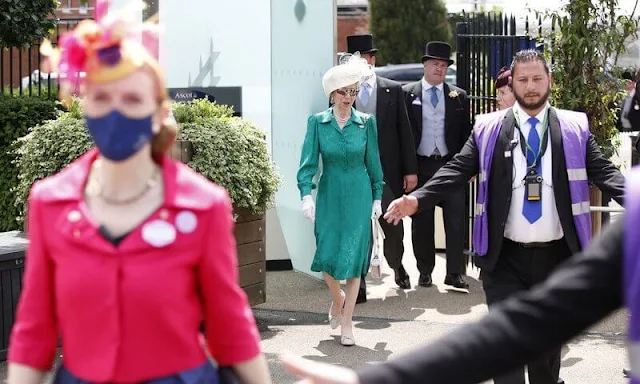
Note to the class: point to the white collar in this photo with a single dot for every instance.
(426, 86)
(523, 116)
(371, 81)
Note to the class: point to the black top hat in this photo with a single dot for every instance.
(438, 50)
(360, 43)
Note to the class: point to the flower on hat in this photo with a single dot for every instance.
(453, 94)
(98, 46)
(352, 69)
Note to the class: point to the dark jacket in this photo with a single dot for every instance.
(464, 165)
(395, 138)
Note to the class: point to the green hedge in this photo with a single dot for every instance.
(17, 115)
(228, 150)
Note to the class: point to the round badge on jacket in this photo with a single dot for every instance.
(158, 233)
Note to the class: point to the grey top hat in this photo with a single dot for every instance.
(438, 50)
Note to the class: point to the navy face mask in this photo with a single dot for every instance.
(119, 137)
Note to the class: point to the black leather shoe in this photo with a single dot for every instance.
(362, 296)
(456, 281)
(626, 372)
(402, 278)
(425, 281)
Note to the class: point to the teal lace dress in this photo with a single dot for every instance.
(351, 179)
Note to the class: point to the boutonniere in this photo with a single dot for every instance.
(453, 94)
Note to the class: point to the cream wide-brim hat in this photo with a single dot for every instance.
(353, 71)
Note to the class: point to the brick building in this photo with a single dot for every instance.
(17, 64)
(353, 18)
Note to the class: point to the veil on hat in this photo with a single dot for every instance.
(105, 49)
(351, 69)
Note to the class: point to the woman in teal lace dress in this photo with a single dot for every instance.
(349, 189)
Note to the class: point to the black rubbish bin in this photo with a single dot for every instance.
(12, 247)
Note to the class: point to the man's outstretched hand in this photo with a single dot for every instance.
(401, 207)
(311, 372)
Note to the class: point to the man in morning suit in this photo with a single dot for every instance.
(439, 116)
(383, 98)
(534, 164)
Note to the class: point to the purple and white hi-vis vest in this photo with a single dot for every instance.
(575, 135)
(631, 268)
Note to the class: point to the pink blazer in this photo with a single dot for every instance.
(131, 312)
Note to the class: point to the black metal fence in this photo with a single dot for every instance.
(487, 42)
(20, 67)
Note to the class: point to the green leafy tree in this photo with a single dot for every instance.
(587, 36)
(402, 28)
(24, 21)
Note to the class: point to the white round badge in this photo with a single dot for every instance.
(158, 233)
(186, 221)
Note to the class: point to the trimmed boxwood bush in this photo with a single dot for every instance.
(228, 150)
(17, 115)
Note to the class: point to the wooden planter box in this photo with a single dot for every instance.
(252, 264)
(250, 240)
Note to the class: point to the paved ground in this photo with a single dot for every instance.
(394, 322)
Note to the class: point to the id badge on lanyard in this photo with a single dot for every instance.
(533, 180)
(533, 185)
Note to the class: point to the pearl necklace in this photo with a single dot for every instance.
(341, 120)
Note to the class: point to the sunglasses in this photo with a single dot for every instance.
(348, 91)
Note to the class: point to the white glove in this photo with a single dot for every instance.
(308, 208)
(376, 211)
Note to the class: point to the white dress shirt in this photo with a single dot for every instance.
(547, 227)
(426, 86)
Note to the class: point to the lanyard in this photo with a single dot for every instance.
(543, 143)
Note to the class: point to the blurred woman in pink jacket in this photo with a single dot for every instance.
(129, 250)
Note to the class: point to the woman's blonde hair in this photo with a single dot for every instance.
(164, 140)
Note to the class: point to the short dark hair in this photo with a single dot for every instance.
(529, 55)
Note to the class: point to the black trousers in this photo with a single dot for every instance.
(423, 227)
(518, 269)
(393, 236)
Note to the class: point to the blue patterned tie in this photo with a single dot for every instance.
(434, 96)
(364, 94)
(532, 210)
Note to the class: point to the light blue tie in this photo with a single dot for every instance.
(532, 210)
(434, 96)
(364, 95)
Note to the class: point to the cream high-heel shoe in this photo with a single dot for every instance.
(347, 340)
(334, 321)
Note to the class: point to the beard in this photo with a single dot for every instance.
(533, 105)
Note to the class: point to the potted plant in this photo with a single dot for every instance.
(585, 39)
(230, 151)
